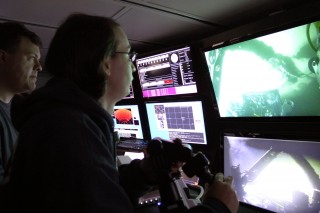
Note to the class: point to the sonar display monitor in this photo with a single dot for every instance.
(127, 121)
(184, 120)
(274, 174)
(167, 73)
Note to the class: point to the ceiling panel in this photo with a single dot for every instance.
(219, 12)
(159, 28)
(51, 12)
(150, 24)
(214, 10)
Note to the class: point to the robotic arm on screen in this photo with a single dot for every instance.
(300, 201)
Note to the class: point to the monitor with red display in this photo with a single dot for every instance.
(127, 121)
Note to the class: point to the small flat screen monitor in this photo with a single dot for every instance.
(127, 121)
(167, 73)
(275, 174)
(274, 75)
(184, 120)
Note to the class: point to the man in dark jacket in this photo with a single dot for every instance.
(65, 160)
(19, 66)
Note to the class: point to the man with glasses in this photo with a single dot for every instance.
(65, 160)
(19, 66)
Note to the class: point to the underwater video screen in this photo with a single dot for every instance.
(273, 75)
(277, 175)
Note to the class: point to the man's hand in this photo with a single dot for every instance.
(221, 189)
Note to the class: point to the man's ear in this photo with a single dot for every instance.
(107, 65)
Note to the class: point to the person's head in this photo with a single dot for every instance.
(19, 58)
(86, 50)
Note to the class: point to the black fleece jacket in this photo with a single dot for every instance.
(65, 160)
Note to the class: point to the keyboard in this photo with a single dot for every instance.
(132, 144)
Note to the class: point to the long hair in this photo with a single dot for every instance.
(78, 48)
(11, 34)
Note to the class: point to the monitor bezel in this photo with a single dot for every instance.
(200, 145)
(193, 52)
(248, 36)
(261, 134)
(144, 128)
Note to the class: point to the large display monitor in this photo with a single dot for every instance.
(183, 119)
(274, 174)
(273, 75)
(127, 121)
(167, 73)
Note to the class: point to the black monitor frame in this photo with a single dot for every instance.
(247, 37)
(281, 146)
(186, 100)
(178, 79)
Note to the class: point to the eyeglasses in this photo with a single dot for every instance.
(132, 55)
